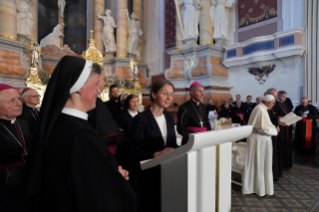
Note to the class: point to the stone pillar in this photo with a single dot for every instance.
(98, 25)
(206, 26)
(61, 22)
(34, 33)
(121, 35)
(137, 9)
(8, 19)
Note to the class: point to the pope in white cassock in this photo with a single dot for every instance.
(258, 176)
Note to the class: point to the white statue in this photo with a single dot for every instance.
(108, 30)
(190, 16)
(24, 17)
(134, 32)
(35, 51)
(53, 38)
(61, 4)
(212, 11)
(220, 17)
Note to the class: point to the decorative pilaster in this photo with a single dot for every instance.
(206, 29)
(98, 25)
(8, 19)
(122, 21)
(34, 32)
(61, 22)
(137, 9)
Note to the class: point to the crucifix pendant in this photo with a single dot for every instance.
(201, 123)
(24, 155)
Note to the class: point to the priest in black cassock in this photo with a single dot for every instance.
(103, 122)
(30, 113)
(305, 133)
(226, 111)
(285, 134)
(69, 166)
(238, 114)
(113, 104)
(14, 141)
(273, 115)
(192, 115)
(249, 106)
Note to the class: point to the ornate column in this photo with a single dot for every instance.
(98, 25)
(8, 19)
(61, 22)
(121, 36)
(34, 33)
(137, 9)
(206, 26)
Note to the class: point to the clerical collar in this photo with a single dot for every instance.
(75, 113)
(132, 114)
(196, 103)
(30, 106)
(6, 122)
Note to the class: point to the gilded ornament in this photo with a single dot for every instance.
(9, 37)
(211, 43)
(92, 54)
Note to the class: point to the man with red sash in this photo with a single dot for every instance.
(192, 115)
(14, 138)
(305, 132)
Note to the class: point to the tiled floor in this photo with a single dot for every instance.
(297, 191)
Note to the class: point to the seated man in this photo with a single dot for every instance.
(305, 133)
(238, 113)
(30, 98)
(14, 141)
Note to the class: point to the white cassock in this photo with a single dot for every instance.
(258, 176)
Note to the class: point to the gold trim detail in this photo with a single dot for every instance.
(217, 179)
(211, 43)
(92, 54)
(177, 48)
(122, 56)
(9, 37)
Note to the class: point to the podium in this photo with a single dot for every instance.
(196, 177)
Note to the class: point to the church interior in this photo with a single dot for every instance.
(236, 50)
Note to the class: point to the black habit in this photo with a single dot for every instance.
(235, 118)
(30, 115)
(69, 167)
(226, 113)
(12, 191)
(211, 108)
(114, 108)
(276, 159)
(300, 131)
(106, 127)
(189, 115)
(146, 140)
(285, 135)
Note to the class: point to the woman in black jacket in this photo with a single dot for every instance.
(153, 135)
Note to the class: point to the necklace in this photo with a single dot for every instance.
(283, 108)
(200, 120)
(22, 145)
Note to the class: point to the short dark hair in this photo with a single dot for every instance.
(157, 85)
(113, 86)
(96, 69)
(249, 96)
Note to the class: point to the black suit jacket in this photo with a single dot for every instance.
(147, 137)
(29, 117)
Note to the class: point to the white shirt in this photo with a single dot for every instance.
(75, 113)
(132, 114)
(161, 122)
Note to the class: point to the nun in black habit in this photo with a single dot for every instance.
(70, 168)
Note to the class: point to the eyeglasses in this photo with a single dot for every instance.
(35, 96)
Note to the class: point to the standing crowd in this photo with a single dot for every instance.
(81, 154)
